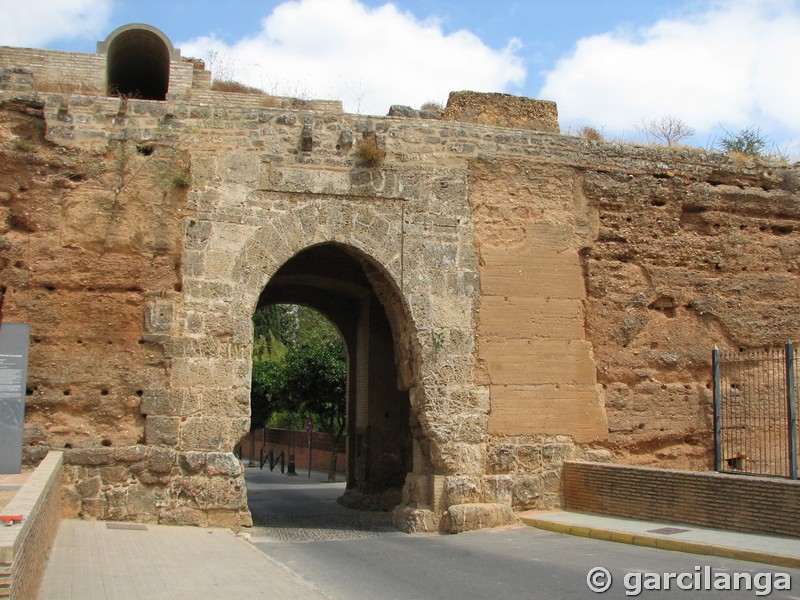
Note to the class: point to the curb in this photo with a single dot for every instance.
(638, 539)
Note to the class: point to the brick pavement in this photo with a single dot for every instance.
(94, 560)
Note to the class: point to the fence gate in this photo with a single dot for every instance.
(755, 411)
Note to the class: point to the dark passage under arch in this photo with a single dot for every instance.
(138, 65)
(333, 280)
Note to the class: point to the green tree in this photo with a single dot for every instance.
(316, 376)
(299, 372)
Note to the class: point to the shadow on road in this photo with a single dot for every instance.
(299, 508)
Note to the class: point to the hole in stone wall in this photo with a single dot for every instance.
(106, 442)
(104, 392)
(67, 392)
(145, 149)
(694, 208)
(659, 202)
(782, 229)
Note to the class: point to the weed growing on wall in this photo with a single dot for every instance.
(370, 152)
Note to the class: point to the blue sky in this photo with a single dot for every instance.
(718, 65)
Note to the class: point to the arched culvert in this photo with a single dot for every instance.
(137, 62)
(332, 280)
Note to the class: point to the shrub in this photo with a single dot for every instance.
(23, 145)
(750, 143)
(432, 105)
(588, 132)
(227, 85)
(747, 141)
(370, 152)
(182, 179)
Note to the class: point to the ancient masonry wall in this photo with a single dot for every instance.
(558, 297)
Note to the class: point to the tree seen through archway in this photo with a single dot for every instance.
(299, 372)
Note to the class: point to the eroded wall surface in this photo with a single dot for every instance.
(550, 297)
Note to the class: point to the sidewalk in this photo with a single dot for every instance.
(103, 560)
(773, 550)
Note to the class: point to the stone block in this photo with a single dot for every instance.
(526, 491)
(554, 455)
(192, 462)
(89, 487)
(548, 409)
(529, 458)
(161, 460)
(468, 517)
(415, 520)
(183, 515)
(142, 502)
(115, 506)
(212, 492)
(461, 489)
(498, 489)
(502, 110)
(223, 463)
(88, 456)
(131, 454)
(162, 431)
(501, 458)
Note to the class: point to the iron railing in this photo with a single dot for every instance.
(272, 457)
(755, 411)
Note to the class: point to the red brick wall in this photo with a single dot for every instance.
(322, 443)
(24, 548)
(707, 499)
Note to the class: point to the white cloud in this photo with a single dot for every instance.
(35, 23)
(370, 58)
(733, 65)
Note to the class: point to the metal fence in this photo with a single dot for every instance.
(755, 411)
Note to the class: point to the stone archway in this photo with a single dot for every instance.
(423, 276)
(137, 62)
(337, 281)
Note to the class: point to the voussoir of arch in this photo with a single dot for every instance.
(102, 47)
(289, 233)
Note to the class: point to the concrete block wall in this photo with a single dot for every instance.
(24, 548)
(707, 499)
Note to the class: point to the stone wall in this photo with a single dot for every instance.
(548, 297)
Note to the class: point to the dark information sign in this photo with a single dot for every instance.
(13, 377)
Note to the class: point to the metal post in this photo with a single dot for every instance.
(791, 401)
(251, 462)
(291, 468)
(309, 455)
(717, 410)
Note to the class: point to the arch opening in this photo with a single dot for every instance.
(344, 286)
(138, 65)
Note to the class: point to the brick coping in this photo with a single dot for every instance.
(29, 501)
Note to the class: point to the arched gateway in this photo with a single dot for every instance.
(408, 320)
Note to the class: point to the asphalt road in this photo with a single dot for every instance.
(351, 555)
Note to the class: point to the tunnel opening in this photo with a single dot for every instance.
(347, 288)
(137, 65)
